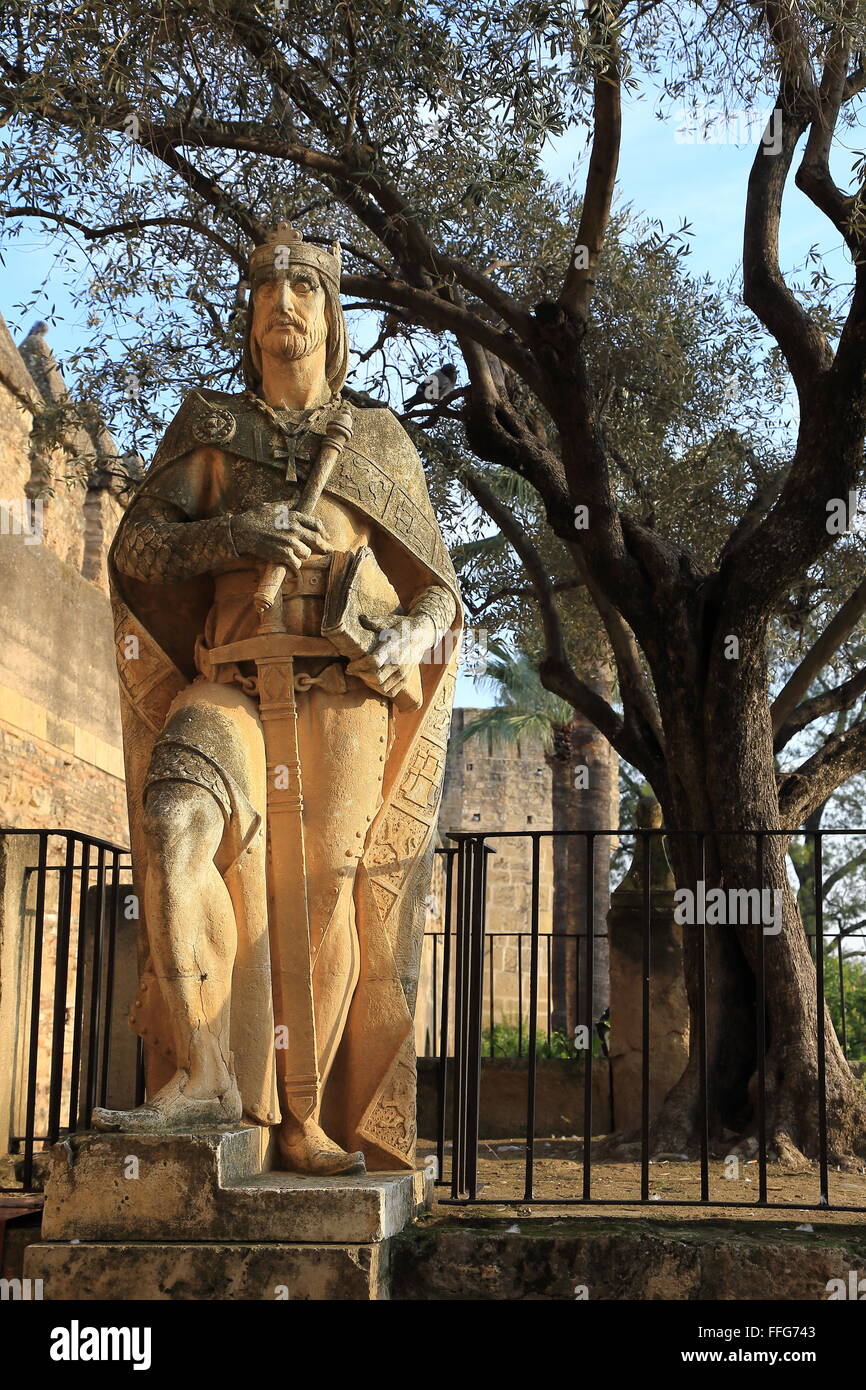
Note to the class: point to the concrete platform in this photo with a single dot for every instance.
(159, 1272)
(193, 1216)
(208, 1186)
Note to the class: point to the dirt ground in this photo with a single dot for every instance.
(558, 1173)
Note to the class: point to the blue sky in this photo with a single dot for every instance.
(659, 175)
(704, 182)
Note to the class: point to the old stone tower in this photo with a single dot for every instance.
(493, 786)
(62, 483)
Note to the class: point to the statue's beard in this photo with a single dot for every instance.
(288, 341)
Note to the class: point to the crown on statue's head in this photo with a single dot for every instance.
(284, 247)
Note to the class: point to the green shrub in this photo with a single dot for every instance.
(855, 1002)
(505, 1039)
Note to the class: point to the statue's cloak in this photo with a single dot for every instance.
(156, 627)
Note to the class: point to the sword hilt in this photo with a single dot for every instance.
(337, 434)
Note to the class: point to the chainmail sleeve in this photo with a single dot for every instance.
(438, 604)
(157, 543)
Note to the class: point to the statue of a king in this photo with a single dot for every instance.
(287, 623)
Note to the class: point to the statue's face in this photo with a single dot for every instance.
(289, 319)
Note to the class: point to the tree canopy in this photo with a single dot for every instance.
(630, 434)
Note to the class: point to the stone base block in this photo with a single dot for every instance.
(193, 1216)
(208, 1186)
(628, 1259)
(157, 1272)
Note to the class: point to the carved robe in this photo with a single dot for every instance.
(220, 456)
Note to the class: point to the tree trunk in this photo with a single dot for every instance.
(722, 779)
(710, 763)
(579, 746)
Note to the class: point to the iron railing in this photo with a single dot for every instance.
(497, 944)
(75, 894)
(468, 870)
(73, 1051)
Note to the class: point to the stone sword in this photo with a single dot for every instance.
(274, 651)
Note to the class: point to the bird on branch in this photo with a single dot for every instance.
(434, 387)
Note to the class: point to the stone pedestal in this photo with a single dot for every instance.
(669, 1005)
(193, 1216)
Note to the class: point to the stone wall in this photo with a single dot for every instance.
(495, 786)
(60, 747)
(603, 1258)
(18, 398)
(61, 762)
(560, 1088)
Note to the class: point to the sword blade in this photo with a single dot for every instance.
(288, 909)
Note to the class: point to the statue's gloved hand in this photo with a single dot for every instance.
(275, 531)
(397, 651)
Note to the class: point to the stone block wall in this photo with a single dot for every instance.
(495, 786)
(61, 760)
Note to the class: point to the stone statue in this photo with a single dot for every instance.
(287, 619)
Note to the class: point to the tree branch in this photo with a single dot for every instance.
(135, 224)
(443, 314)
(496, 432)
(803, 789)
(843, 870)
(417, 248)
(516, 591)
(637, 699)
(835, 701)
(803, 344)
(601, 175)
(831, 639)
(813, 175)
(762, 499)
(556, 671)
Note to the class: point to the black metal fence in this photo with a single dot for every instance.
(76, 969)
(461, 1027)
(70, 1048)
(516, 1024)
(844, 943)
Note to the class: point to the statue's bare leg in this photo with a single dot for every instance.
(192, 937)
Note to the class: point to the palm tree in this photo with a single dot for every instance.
(582, 781)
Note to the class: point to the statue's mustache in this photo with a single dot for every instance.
(283, 321)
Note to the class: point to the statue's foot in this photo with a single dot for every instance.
(172, 1109)
(310, 1151)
